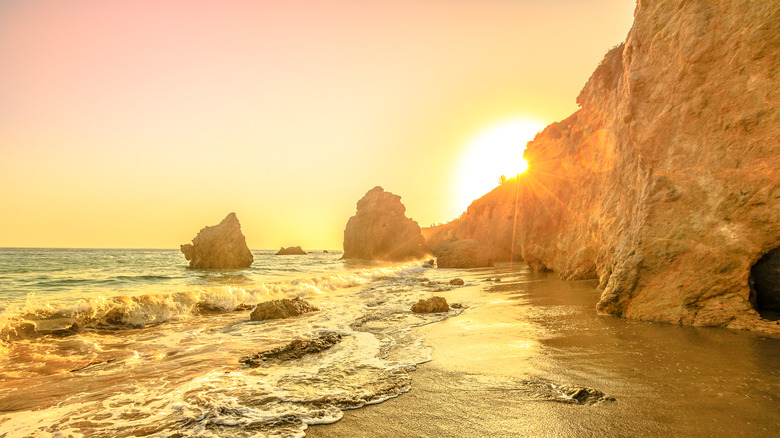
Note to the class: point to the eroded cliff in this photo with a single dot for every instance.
(665, 185)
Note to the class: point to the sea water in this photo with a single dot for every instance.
(130, 342)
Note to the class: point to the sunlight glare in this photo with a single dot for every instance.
(496, 151)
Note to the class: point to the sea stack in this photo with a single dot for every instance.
(221, 246)
(380, 230)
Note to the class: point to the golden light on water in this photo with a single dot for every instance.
(491, 153)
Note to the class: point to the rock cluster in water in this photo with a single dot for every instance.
(665, 184)
(380, 230)
(278, 309)
(431, 305)
(465, 253)
(221, 246)
(293, 250)
(295, 349)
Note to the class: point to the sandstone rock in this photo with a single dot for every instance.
(457, 282)
(468, 253)
(284, 308)
(665, 184)
(381, 231)
(293, 250)
(221, 246)
(295, 349)
(431, 305)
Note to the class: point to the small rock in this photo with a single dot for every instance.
(457, 281)
(277, 309)
(456, 306)
(431, 305)
(293, 250)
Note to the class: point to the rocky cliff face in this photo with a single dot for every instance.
(221, 246)
(665, 185)
(380, 230)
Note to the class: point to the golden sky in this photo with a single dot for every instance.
(136, 123)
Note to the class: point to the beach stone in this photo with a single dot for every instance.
(431, 305)
(278, 309)
(380, 230)
(461, 254)
(221, 246)
(295, 349)
(457, 282)
(293, 250)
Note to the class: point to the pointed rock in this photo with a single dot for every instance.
(221, 246)
(381, 231)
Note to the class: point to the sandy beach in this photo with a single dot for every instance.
(495, 368)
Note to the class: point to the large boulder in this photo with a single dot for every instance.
(278, 309)
(431, 305)
(293, 250)
(466, 253)
(380, 230)
(221, 246)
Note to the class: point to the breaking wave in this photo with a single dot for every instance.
(35, 318)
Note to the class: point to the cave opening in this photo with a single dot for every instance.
(764, 284)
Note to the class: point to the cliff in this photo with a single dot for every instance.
(665, 185)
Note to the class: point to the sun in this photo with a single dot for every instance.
(495, 151)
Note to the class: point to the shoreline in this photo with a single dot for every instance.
(488, 362)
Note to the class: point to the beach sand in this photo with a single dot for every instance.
(474, 384)
(491, 364)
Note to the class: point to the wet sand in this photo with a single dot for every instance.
(533, 329)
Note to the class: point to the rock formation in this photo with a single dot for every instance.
(457, 282)
(284, 308)
(466, 253)
(380, 230)
(221, 246)
(295, 349)
(431, 305)
(665, 184)
(293, 250)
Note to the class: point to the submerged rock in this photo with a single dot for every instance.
(381, 231)
(221, 246)
(293, 250)
(431, 305)
(461, 254)
(278, 309)
(583, 395)
(295, 349)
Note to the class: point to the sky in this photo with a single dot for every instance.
(133, 124)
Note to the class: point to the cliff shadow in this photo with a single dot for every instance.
(764, 284)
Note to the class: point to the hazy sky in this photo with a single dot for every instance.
(136, 123)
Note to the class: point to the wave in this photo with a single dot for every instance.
(34, 319)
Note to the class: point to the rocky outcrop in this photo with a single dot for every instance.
(431, 305)
(665, 185)
(467, 253)
(380, 230)
(278, 309)
(221, 246)
(295, 349)
(293, 250)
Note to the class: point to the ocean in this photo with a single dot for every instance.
(131, 342)
(126, 343)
